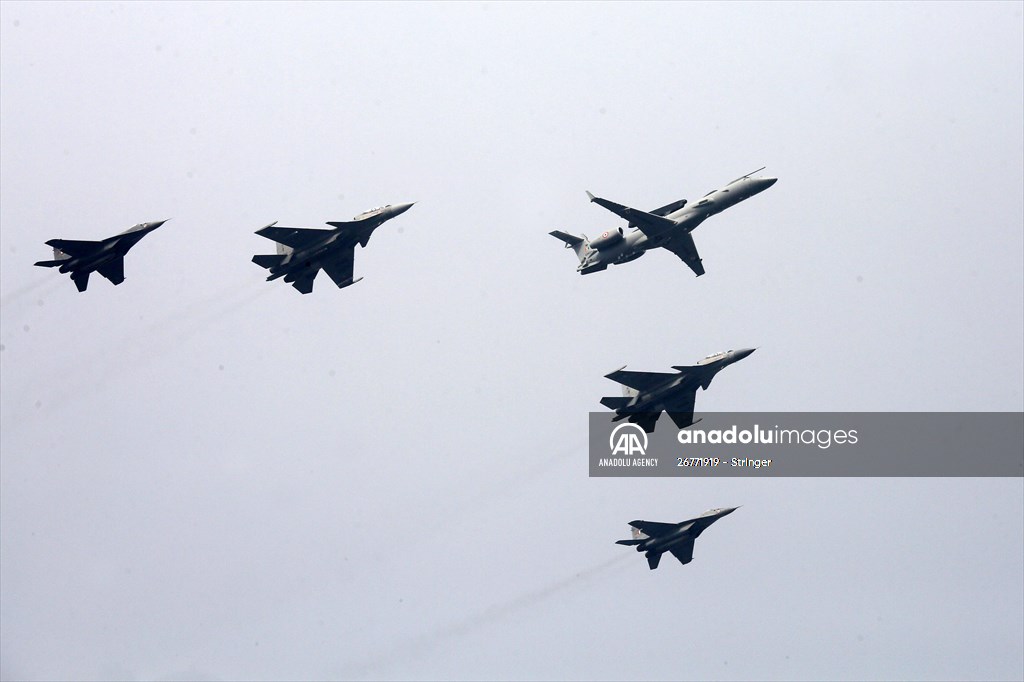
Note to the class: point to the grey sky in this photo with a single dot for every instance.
(208, 476)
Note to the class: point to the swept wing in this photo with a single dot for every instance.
(295, 237)
(682, 245)
(654, 529)
(641, 381)
(114, 270)
(650, 224)
(680, 408)
(683, 551)
(340, 268)
(75, 247)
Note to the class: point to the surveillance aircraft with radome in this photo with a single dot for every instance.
(668, 227)
(82, 258)
(645, 395)
(656, 538)
(302, 252)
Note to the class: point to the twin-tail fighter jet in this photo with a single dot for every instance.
(668, 227)
(645, 395)
(302, 252)
(657, 538)
(81, 258)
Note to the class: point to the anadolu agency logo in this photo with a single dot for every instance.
(628, 439)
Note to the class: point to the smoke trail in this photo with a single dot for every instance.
(87, 373)
(418, 646)
(10, 297)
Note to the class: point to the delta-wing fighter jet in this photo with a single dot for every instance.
(302, 252)
(106, 257)
(656, 538)
(668, 227)
(645, 395)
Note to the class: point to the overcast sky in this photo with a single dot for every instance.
(208, 476)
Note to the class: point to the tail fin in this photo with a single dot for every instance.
(269, 260)
(58, 259)
(578, 244)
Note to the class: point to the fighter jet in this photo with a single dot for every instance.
(301, 252)
(106, 257)
(657, 538)
(668, 227)
(646, 394)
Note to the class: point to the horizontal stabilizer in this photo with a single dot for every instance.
(50, 263)
(615, 402)
(569, 239)
(269, 260)
(634, 541)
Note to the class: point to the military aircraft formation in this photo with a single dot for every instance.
(303, 252)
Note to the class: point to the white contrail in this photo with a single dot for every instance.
(420, 645)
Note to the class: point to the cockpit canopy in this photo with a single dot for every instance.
(371, 212)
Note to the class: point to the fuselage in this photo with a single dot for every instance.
(346, 235)
(684, 532)
(688, 379)
(109, 249)
(634, 242)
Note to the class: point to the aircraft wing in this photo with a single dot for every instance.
(341, 266)
(682, 245)
(683, 551)
(641, 381)
(645, 420)
(74, 247)
(357, 227)
(654, 529)
(81, 279)
(650, 224)
(295, 237)
(680, 408)
(304, 282)
(114, 270)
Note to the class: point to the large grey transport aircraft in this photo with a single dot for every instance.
(668, 227)
(645, 395)
(657, 538)
(302, 252)
(81, 258)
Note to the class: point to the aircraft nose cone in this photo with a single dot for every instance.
(742, 353)
(768, 182)
(398, 209)
(730, 510)
(157, 224)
